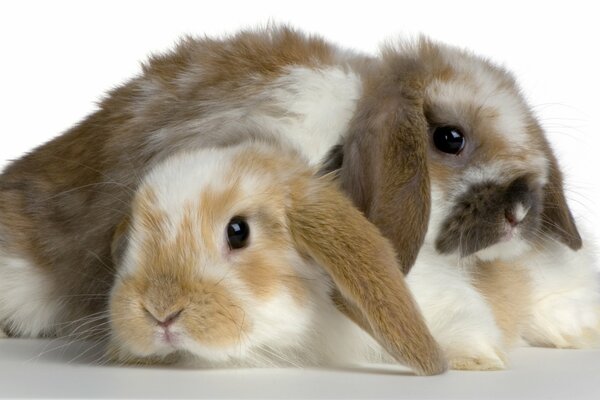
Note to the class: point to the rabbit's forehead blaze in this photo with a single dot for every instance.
(161, 250)
(181, 235)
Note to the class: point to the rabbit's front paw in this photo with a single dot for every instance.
(476, 354)
(564, 321)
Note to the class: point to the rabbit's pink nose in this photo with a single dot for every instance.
(511, 218)
(165, 322)
(170, 319)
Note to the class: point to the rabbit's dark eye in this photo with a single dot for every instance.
(238, 232)
(448, 139)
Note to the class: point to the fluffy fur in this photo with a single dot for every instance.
(268, 302)
(61, 204)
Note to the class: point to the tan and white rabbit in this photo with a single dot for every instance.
(232, 255)
(299, 90)
(60, 204)
(502, 258)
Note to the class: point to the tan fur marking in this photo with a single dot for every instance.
(506, 288)
(216, 316)
(363, 265)
(266, 269)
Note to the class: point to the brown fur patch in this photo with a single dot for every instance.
(265, 269)
(244, 55)
(506, 288)
(119, 241)
(384, 167)
(557, 219)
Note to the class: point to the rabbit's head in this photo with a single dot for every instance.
(496, 185)
(441, 129)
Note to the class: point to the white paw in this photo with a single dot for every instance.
(476, 353)
(564, 321)
(3, 334)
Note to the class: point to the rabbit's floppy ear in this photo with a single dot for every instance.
(557, 220)
(327, 227)
(384, 157)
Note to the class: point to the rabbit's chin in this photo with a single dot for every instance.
(505, 250)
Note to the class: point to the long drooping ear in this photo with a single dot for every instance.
(384, 163)
(362, 263)
(557, 220)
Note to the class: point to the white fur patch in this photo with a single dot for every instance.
(500, 172)
(565, 296)
(508, 250)
(28, 305)
(319, 103)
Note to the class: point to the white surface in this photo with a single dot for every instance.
(48, 369)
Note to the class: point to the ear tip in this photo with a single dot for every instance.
(573, 237)
(575, 243)
(437, 366)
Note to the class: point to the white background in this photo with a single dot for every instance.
(57, 58)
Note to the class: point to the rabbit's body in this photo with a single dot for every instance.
(60, 204)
